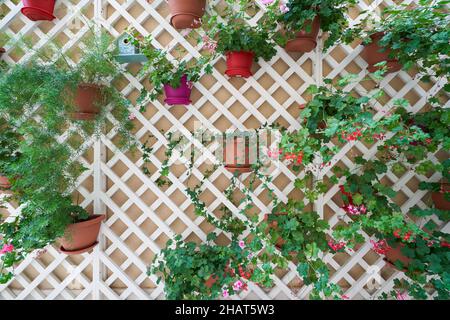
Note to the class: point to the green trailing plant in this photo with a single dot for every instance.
(301, 236)
(206, 271)
(418, 35)
(296, 15)
(229, 30)
(9, 147)
(36, 100)
(160, 70)
(333, 115)
(43, 174)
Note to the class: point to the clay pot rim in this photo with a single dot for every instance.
(239, 51)
(93, 219)
(91, 85)
(78, 251)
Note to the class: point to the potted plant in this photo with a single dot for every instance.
(237, 40)
(239, 151)
(174, 78)
(46, 171)
(407, 36)
(186, 13)
(302, 20)
(81, 236)
(302, 236)
(440, 190)
(205, 271)
(93, 72)
(36, 10)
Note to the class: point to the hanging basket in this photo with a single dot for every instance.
(373, 53)
(239, 63)
(305, 41)
(186, 14)
(82, 236)
(37, 10)
(180, 95)
(88, 100)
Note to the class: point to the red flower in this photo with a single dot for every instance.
(445, 244)
(380, 247)
(336, 246)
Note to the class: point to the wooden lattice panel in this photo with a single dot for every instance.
(142, 216)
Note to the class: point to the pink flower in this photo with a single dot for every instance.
(380, 247)
(225, 293)
(242, 244)
(284, 8)
(132, 116)
(345, 297)
(336, 246)
(186, 32)
(267, 2)
(237, 285)
(402, 295)
(7, 248)
(353, 210)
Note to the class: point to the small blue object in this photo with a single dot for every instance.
(127, 51)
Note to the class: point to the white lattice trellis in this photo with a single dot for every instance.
(142, 216)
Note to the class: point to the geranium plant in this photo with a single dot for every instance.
(302, 236)
(207, 270)
(230, 33)
(417, 35)
(298, 15)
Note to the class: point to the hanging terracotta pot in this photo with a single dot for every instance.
(36, 10)
(305, 41)
(82, 236)
(274, 225)
(180, 95)
(239, 63)
(88, 100)
(395, 254)
(186, 14)
(4, 183)
(2, 51)
(373, 53)
(236, 154)
(439, 197)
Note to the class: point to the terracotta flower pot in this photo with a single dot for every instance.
(210, 282)
(186, 13)
(305, 41)
(36, 10)
(2, 51)
(88, 100)
(82, 236)
(274, 225)
(4, 183)
(439, 199)
(239, 63)
(395, 254)
(180, 95)
(374, 53)
(236, 155)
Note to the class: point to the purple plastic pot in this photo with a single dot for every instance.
(180, 95)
